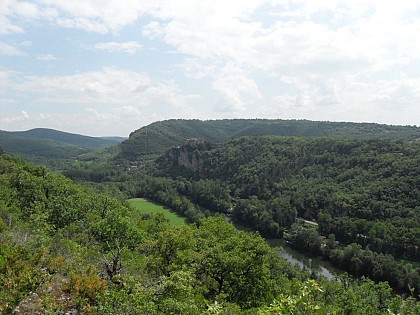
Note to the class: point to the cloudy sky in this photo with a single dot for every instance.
(108, 67)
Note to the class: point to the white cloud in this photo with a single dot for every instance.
(26, 43)
(25, 115)
(112, 99)
(12, 11)
(9, 50)
(6, 25)
(110, 86)
(225, 32)
(22, 116)
(96, 16)
(326, 59)
(95, 114)
(130, 47)
(237, 87)
(7, 77)
(130, 112)
(47, 57)
(299, 32)
(83, 24)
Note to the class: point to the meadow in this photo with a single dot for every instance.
(146, 206)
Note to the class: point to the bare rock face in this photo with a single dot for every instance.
(188, 156)
(190, 159)
(50, 298)
(193, 142)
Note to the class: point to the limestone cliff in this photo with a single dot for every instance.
(188, 156)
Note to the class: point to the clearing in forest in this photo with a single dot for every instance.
(146, 206)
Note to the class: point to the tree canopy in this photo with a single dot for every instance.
(66, 248)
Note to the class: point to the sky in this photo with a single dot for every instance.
(109, 67)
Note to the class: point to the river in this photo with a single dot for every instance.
(315, 263)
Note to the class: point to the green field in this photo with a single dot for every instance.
(146, 206)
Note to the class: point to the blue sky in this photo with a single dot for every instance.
(110, 67)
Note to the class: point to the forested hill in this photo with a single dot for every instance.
(160, 136)
(42, 144)
(64, 137)
(65, 249)
(363, 193)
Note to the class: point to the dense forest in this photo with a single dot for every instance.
(362, 193)
(347, 192)
(51, 147)
(66, 248)
(159, 136)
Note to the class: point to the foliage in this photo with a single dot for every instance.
(304, 302)
(20, 273)
(145, 207)
(160, 136)
(59, 242)
(86, 289)
(50, 147)
(358, 191)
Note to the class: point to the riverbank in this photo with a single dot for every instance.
(315, 264)
(302, 259)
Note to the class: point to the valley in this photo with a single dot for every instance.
(339, 192)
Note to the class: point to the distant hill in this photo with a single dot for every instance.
(40, 144)
(160, 136)
(115, 139)
(69, 138)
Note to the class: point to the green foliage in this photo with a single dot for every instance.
(37, 207)
(20, 273)
(364, 297)
(50, 147)
(224, 308)
(376, 266)
(64, 248)
(165, 191)
(359, 191)
(160, 136)
(305, 238)
(169, 249)
(303, 302)
(85, 289)
(230, 260)
(147, 207)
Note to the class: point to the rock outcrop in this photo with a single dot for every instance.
(188, 156)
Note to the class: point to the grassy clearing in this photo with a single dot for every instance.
(146, 206)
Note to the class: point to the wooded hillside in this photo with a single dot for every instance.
(362, 193)
(67, 249)
(160, 136)
(43, 145)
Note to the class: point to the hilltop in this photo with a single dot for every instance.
(159, 136)
(41, 143)
(65, 137)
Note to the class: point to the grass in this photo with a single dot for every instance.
(146, 206)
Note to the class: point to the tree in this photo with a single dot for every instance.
(116, 232)
(229, 260)
(283, 213)
(305, 301)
